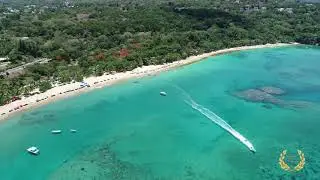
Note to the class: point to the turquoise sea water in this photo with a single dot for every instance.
(129, 131)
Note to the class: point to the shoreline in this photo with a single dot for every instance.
(96, 82)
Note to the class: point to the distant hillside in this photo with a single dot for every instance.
(28, 2)
(308, 1)
(51, 2)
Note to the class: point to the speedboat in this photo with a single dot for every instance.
(73, 130)
(244, 141)
(33, 150)
(56, 131)
(250, 146)
(162, 93)
(252, 149)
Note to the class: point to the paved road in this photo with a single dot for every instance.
(20, 68)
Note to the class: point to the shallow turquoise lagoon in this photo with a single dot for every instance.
(128, 131)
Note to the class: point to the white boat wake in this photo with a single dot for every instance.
(218, 120)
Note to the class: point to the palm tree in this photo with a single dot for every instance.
(4, 95)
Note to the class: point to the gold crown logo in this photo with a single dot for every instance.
(286, 167)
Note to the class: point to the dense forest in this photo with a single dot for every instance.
(84, 38)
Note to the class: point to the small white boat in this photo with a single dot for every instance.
(73, 130)
(56, 131)
(162, 93)
(33, 150)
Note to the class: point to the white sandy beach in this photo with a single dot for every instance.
(71, 89)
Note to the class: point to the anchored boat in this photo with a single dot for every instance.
(56, 131)
(162, 93)
(33, 150)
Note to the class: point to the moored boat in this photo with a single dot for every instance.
(33, 150)
(56, 131)
(162, 93)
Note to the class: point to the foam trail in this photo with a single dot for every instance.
(216, 119)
